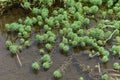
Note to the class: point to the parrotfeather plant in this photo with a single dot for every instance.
(14, 49)
(105, 77)
(57, 74)
(35, 66)
(46, 65)
(116, 66)
(46, 58)
(8, 43)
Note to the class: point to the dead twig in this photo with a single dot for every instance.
(99, 68)
(19, 60)
(115, 75)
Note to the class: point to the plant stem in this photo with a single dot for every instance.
(110, 36)
(99, 68)
(19, 60)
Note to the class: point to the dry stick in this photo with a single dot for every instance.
(115, 75)
(99, 68)
(19, 60)
(112, 70)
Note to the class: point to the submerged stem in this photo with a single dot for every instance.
(110, 36)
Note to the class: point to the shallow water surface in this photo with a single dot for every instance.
(80, 64)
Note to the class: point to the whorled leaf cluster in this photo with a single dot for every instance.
(77, 23)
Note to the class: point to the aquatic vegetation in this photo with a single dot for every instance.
(81, 78)
(34, 19)
(26, 34)
(50, 21)
(39, 18)
(27, 43)
(57, 74)
(46, 58)
(65, 25)
(28, 28)
(47, 28)
(66, 48)
(110, 3)
(46, 65)
(105, 59)
(41, 51)
(117, 39)
(51, 39)
(65, 40)
(20, 21)
(61, 45)
(14, 49)
(96, 32)
(36, 11)
(35, 66)
(110, 11)
(8, 43)
(116, 50)
(39, 37)
(116, 65)
(100, 42)
(26, 4)
(48, 46)
(105, 77)
(22, 40)
(12, 27)
(93, 9)
(86, 21)
(44, 12)
(28, 21)
(96, 2)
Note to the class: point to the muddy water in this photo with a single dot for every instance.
(80, 64)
